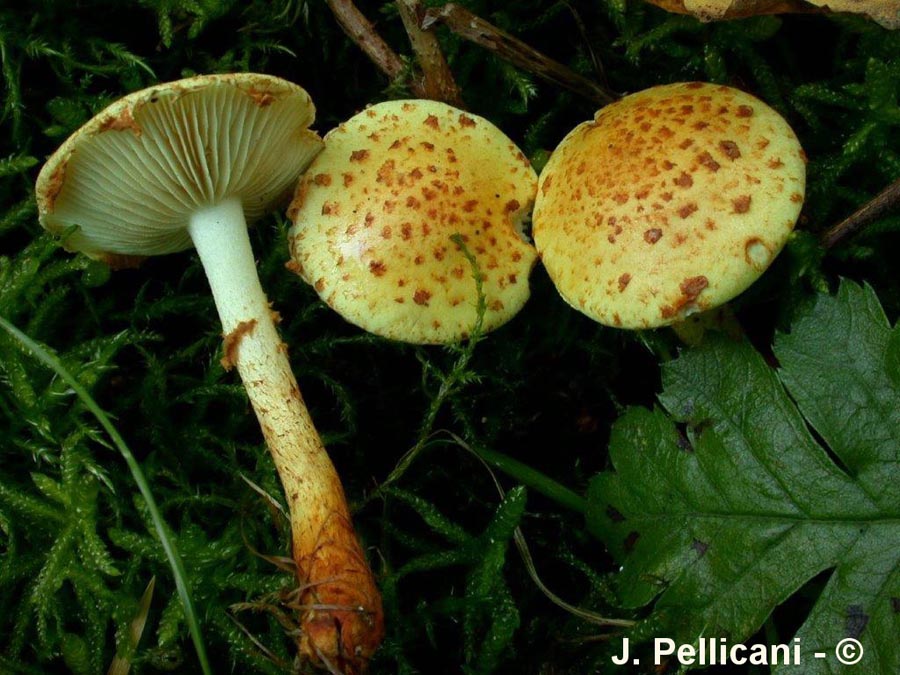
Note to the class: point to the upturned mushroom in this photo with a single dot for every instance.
(672, 201)
(190, 163)
(376, 214)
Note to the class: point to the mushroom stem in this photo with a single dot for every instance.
(331, 567)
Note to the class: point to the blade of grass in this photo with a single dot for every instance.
(532, 478)
(519, 537)
(43, 355)
(121, 664)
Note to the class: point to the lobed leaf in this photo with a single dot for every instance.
(723, 503)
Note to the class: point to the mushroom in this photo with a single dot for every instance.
(672, 201)
(376, 214)
(190, 162)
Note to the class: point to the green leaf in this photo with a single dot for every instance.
(837, 364)
(724, 504)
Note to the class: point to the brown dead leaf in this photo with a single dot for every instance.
(885, 12)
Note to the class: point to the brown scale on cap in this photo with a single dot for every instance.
(261, 98)
(653, 235)
(741, 204)
(120, 122)
(720, 179)
(416, 173)
(55, 181)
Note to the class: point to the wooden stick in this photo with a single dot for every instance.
(884, 202)
(363, 33)
(475, 29)
(437, 79)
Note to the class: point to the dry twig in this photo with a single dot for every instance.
(363, 33)
(881, 204)
(437, 79)
(475, 29)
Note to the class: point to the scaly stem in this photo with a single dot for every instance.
(331, 567)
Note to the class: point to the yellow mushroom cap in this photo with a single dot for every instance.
(374, 216)
(132, 176)
(672, 201)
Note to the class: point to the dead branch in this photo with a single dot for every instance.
(475, 29)
(437, 79)
(359, 29)
(881, 204)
